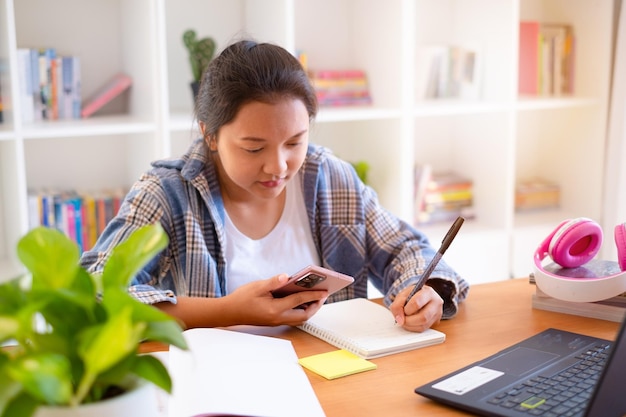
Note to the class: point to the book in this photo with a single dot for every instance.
(528, 64)
(448, 72)
(546, 58)
(445, 196)
(66, 91)
(423, 175)
(536, 193)
(336, 364)
(77, 99)
(26, 92)
(341, 87)
(225, 372)
(113, 88)
(366, 329)
(612, 309)
(58, 108)
(53, 83)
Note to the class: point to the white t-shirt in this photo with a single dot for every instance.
(287, 248)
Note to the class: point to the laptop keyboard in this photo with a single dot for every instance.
(565, 394)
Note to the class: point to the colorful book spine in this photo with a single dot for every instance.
(546, 59)
(26, 85)
(67, 82)
(76, 88)
(58, 108)
(528, 61)
(34, 74)
(46, 84)
(53, 76)
(443, 196)
(341, 87)
(80, 216)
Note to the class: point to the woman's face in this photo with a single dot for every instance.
(262, 148)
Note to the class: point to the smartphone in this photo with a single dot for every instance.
(314, 278)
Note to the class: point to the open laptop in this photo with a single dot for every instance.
(530, 378)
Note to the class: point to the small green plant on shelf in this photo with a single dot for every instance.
(77, 335)
(201, 52)
(362, 168)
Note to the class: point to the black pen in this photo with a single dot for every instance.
(447, 239)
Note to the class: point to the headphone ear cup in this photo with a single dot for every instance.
(620, 243)
(575, 242)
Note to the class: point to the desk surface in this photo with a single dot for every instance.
(493, 317)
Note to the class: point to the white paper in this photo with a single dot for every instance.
(228, 372)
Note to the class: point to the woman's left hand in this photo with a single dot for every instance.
(423, 310)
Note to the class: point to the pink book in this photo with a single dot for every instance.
(71, 220)
(528, 58)
(116, 86)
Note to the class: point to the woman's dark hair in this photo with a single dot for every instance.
(249, 71)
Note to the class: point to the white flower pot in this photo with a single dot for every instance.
(139, 401)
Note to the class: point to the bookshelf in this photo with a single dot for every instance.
(495, 139)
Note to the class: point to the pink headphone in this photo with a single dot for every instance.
(572, 244)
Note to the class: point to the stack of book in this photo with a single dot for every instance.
(612, 309)
(448, 72)
(546, 58)
(537, 194)
(442, 196)
(80, 216)
(50, 85)
(341, 87)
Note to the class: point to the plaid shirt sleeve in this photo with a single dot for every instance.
(359, 237)
(174, 193)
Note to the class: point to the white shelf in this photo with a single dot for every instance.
(341, 114)
(495, 139)
(534, 103)
(96, 126)
(457, 107)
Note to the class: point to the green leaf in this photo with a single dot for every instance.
(9, 328)
(12, 296)
(133, 254)
(50, 256)
(9, 390)
(161, 327)
(103, 346)
(64, 303)
(45, 376)
(151, 369)
(22, 405)
(168, 332)
(119, 372)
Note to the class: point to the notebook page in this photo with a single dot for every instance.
(232, 373)
(366, 329)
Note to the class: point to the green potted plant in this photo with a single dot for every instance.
(201, 52)
(77, 334)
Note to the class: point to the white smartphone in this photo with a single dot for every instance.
(314, 278)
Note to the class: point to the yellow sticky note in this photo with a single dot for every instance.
(336, 364)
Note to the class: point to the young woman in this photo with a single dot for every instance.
(252, 201)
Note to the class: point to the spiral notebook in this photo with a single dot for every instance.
(366, 329)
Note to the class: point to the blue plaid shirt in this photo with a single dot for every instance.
(352, 232)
